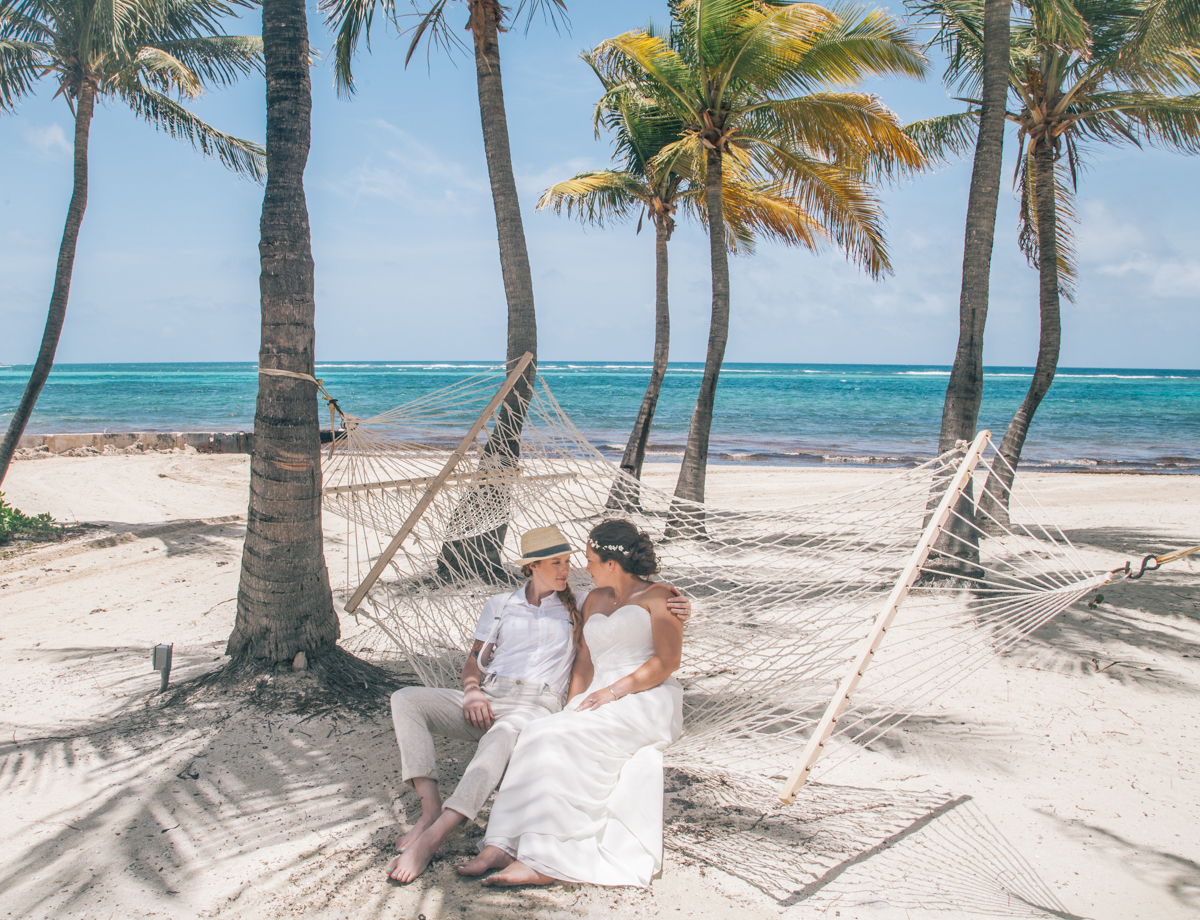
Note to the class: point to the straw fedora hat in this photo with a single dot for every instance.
(543, 543)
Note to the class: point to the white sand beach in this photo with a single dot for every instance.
(1058, 781)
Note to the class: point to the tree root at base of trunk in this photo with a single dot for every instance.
(335, 680)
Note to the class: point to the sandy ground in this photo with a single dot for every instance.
(1058, 781)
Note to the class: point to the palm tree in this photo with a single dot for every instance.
(750, 80)
(352, 19)
(284, 601)
(655, 187)
(964, 390)
(1082, 72)
(137, 53)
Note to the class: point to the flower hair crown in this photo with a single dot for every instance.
(612, 548)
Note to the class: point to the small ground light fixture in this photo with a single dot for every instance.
(162, 664)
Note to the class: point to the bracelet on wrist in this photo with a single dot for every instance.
(613, 692)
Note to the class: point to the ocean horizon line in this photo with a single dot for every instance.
(616, 364)
(1137, 419)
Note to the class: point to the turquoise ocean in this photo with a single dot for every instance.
(806, 414)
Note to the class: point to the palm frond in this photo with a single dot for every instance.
(21, 64)
(945, 137)
(596, 197)
(1067, 219)
(1136, 117)
(221, 59)
(164, 113)
(352, 20)
(838, 199)
(638, 58)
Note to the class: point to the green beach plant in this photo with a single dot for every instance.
(15, 525)
(146, 54)
(1081, 73)
(754, 84)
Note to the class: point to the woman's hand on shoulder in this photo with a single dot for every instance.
(679, 604)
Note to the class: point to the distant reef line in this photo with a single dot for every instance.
(87, 444)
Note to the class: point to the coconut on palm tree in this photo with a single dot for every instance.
(754, 83)
(146, 54)
(1082, 72)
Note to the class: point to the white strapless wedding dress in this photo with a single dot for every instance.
(582, 800)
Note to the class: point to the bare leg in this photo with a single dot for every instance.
(489, 858)
(431, 807)
(517, 873)
(409, 865)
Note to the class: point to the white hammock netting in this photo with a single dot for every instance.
(786, 601)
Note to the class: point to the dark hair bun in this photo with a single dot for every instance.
(621, 542)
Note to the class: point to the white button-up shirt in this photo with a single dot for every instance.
(533, 643)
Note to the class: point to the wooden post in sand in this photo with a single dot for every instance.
(883, 620)
(438, 481)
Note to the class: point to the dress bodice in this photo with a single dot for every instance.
(622, 641)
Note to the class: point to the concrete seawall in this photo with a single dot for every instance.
(206, 442)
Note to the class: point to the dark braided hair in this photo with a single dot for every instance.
(620, 542)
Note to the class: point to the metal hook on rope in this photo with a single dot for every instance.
(1152, 562)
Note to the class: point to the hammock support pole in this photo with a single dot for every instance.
(883, 620)
(438, 481)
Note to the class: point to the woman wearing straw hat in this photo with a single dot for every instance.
(519, 669)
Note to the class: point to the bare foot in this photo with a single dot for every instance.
(408, 866)
(489, 858)
(416, 831)
(517, 873)
(431, 810)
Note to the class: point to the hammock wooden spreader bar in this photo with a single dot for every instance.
(474, 478)
(882, 621)
(438, 481)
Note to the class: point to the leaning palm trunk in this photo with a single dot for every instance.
(626, 494)
(84, 106)
(480, 555)
(284, 602)
(695, 456)
(964, 390)
(994, 501)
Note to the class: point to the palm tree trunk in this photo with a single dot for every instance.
(996, 493)
(635, 449)
(964, 389)
(481, 555)
(284, 601)
(510, 231)
(695, 456)
(84, 107)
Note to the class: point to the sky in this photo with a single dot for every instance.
(404, 238)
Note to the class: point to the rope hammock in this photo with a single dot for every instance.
(816, 629)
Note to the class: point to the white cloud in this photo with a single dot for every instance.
(1103, 237)
(45, 137)
(404, 170)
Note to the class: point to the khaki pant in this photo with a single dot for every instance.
(419, 712)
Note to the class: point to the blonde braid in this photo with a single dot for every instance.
(567, 596)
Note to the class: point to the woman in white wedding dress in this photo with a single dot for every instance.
(582, 800)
